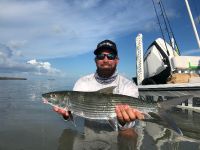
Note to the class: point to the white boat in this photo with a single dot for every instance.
(163, 73)
(154, 86)
(186, 80)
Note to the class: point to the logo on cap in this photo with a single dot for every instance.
(105, 43)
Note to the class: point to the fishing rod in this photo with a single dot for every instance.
(163, 22)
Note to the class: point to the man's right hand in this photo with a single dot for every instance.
(65, 113)
(126, 114)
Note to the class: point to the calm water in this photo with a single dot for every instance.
(28, 124)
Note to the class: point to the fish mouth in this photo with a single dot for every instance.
(44, 100)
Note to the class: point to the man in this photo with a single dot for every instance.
(106, 75)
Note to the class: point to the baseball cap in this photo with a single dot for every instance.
(106, 45)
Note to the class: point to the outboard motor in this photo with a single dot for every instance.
(157, 66)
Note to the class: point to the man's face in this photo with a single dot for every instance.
(106, 60)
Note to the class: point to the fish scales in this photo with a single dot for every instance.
(108, 100)
(94, 104)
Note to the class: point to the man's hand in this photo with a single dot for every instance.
(125, 114)
(62, 112)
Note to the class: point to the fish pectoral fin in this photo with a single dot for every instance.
(72, 118)
(113, 122)
(107, 90)
(154, 116)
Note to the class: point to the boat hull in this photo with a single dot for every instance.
(163, 92)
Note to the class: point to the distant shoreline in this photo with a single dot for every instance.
(12, 78)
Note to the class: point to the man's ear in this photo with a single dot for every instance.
(95, 60)
(117, 60)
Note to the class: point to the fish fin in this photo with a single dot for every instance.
(73, 118)
(113, 123)
(163, 119)
(152, 116)
(171, 123)
(168, 104)
(107, 90)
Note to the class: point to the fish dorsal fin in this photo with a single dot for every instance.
(107, 90)
(168, 104)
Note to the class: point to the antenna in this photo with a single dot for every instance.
(193, 24)
(164, 24)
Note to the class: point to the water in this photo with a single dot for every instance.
(28, 124)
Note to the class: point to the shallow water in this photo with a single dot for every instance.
(28, 124)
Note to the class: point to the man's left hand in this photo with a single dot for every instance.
(125, 114)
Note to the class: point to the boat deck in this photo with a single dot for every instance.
(170, 86)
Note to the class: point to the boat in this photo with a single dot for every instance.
(162, 73)
(173, 77)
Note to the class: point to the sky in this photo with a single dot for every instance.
(56, 38)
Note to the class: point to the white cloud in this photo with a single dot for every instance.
(43, 67)
(192, 52)
(14, 44)
(43, 29)
(197, 20)
(9, 65)
(51, 28)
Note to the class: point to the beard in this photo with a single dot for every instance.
(106, 70)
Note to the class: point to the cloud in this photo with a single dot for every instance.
(50, 28)
(9, 65)
(43, 67)
(195, 52)
(197, 20)
(14, 44)
(35, 30)
(5, 52)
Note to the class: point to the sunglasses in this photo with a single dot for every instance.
(109, 56)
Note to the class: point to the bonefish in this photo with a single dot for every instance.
(101, 105)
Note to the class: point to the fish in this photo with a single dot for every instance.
(100, 105)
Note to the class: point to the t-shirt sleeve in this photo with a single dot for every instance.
(78, 86)
(82, 84)
(128, 87)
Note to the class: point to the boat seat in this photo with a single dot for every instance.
(185, 62)
(194, 80)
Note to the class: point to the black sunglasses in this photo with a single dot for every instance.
(109, 56)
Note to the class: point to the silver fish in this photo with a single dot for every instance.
(101, 105)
